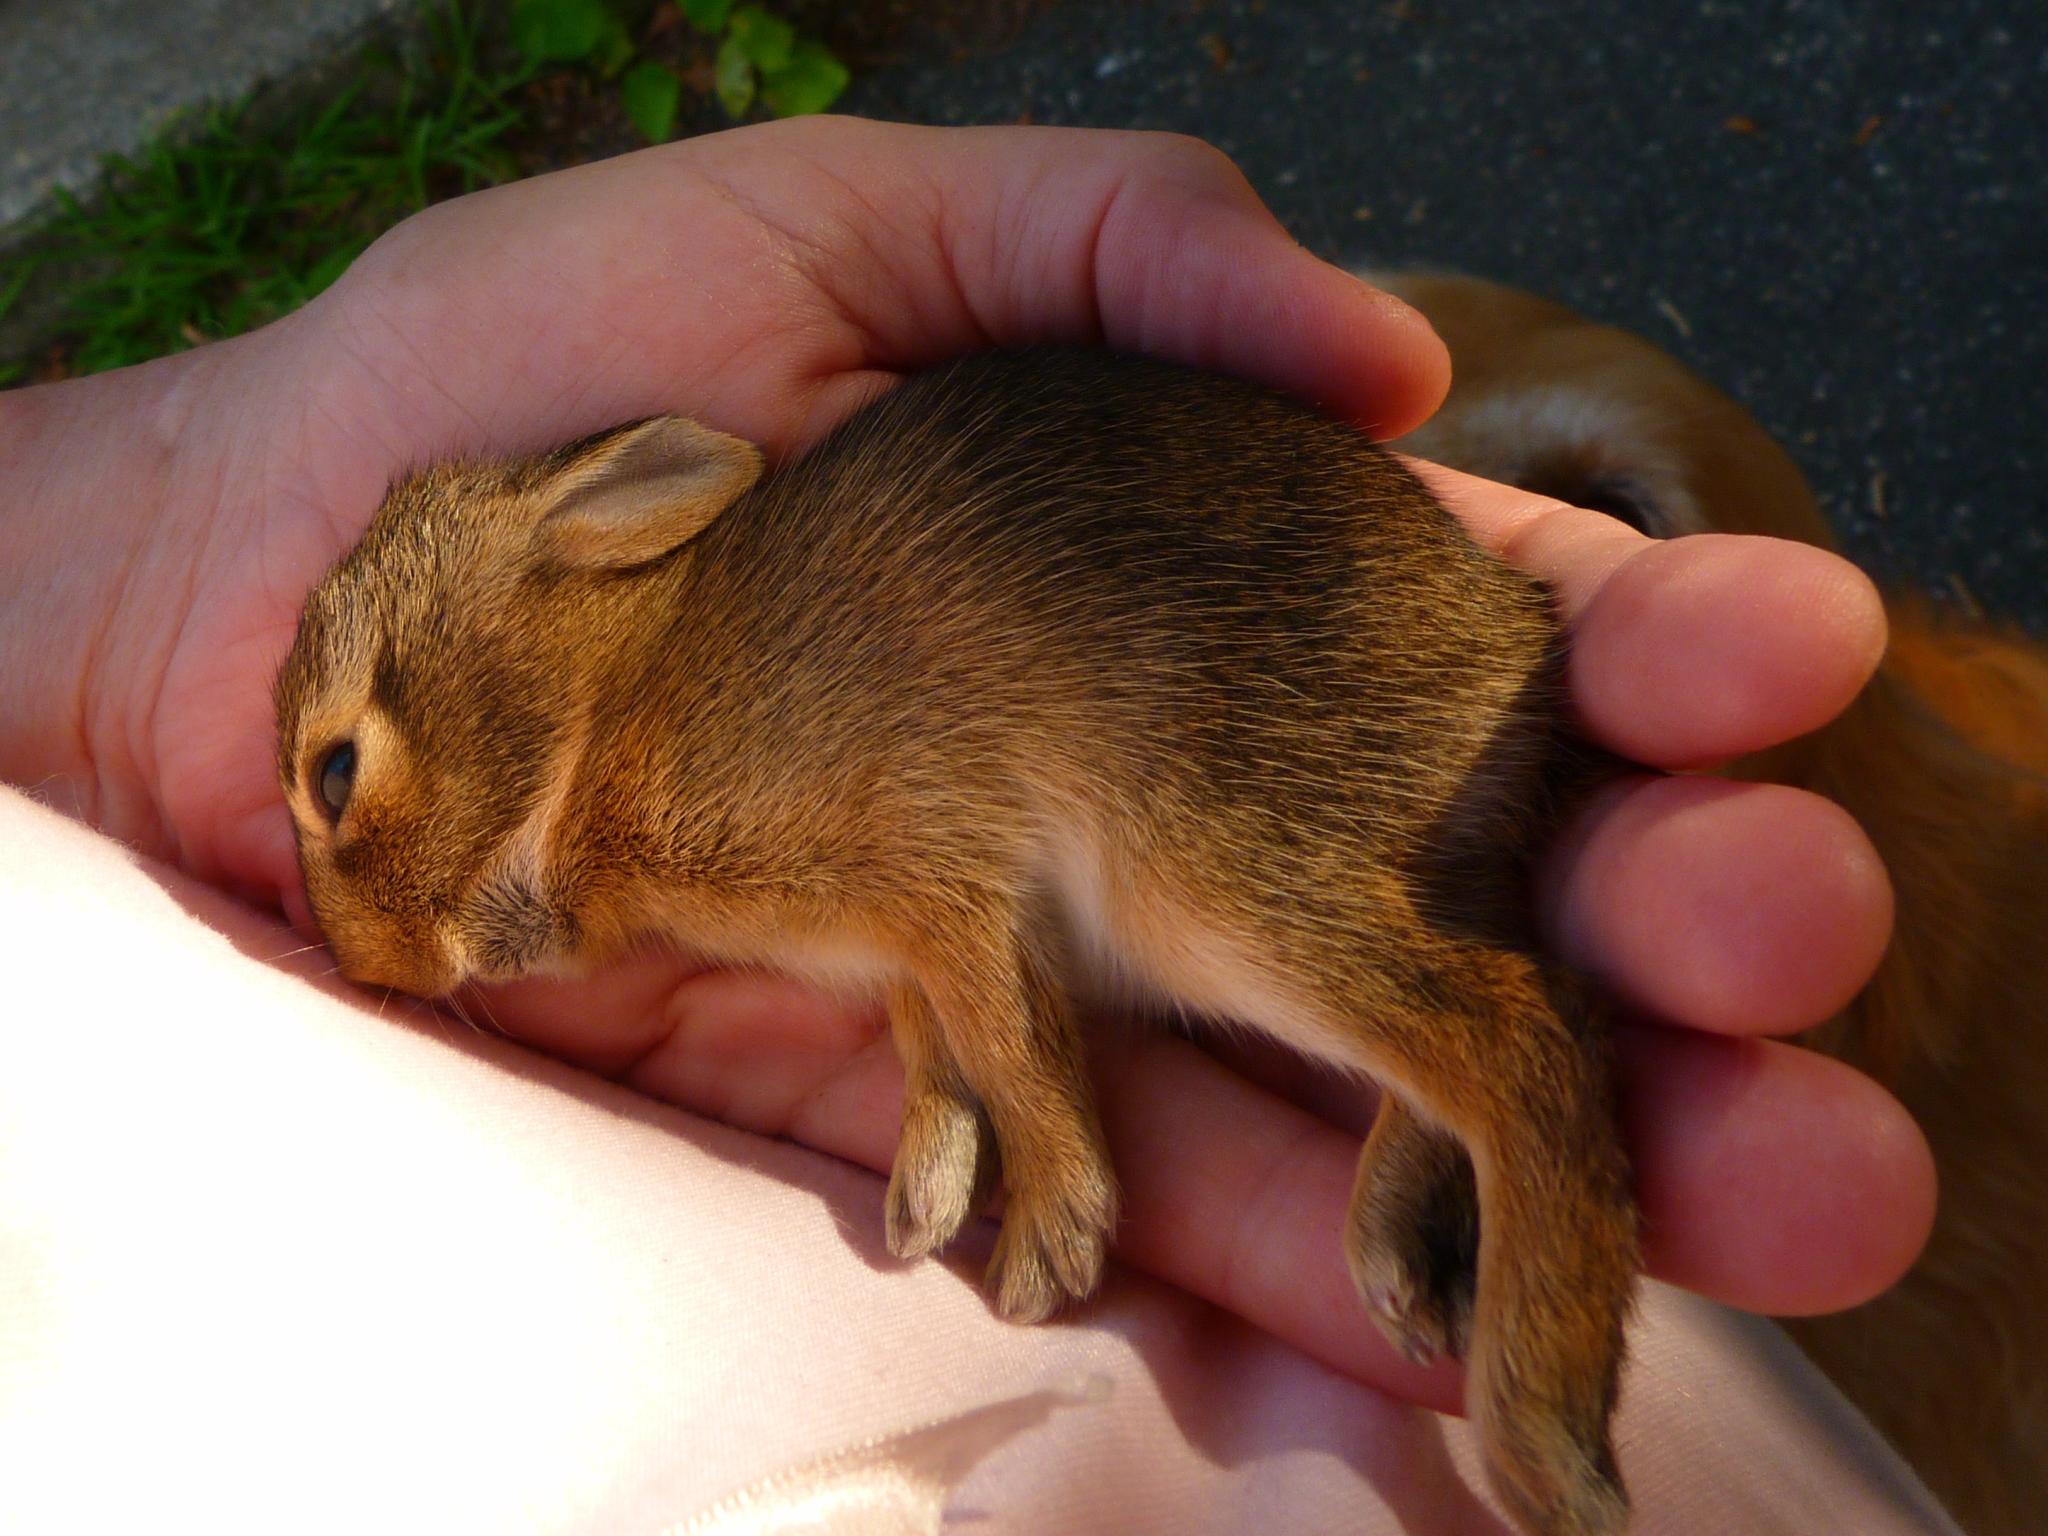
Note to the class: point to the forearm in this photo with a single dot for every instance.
(88, 568)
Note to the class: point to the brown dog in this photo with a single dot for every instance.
(1944, 761)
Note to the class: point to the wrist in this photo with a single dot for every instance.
(94, 579)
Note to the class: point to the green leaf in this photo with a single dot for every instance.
(559, 31)
(733, 78)
(614, 50)
(707, 15)
(810, 82)
(223, 226)
(651, 92)
(10, 290)
(766, 40)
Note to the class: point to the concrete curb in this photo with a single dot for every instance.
(82, 79)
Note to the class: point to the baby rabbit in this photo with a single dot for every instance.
(1944, 761)
(1046, 671)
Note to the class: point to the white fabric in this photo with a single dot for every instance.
(268, 1262)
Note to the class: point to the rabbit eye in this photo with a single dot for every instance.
(336, 777)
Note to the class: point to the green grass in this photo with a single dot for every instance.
(237, 216)
(224, 224)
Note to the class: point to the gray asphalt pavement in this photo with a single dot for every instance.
(1836, 210)
(80, 79)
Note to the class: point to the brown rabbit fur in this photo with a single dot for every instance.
(1944, 761)
(1048, 670)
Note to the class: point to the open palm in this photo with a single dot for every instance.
(767, 281)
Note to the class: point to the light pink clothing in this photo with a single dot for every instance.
(270, 1263)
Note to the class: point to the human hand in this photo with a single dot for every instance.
(768, 280)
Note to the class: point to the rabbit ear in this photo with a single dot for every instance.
(637, 493)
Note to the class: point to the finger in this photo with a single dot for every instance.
(1148, 242)
(1183, 261)
(820, 257)
(1337, 1096)
(1228, 1192)
(1240, 1198)
(1732, 907)
(1685, 652)
(1769, 1178)
(1701, 1185)
(606, 1021)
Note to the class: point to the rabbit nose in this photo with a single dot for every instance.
(417, 966)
